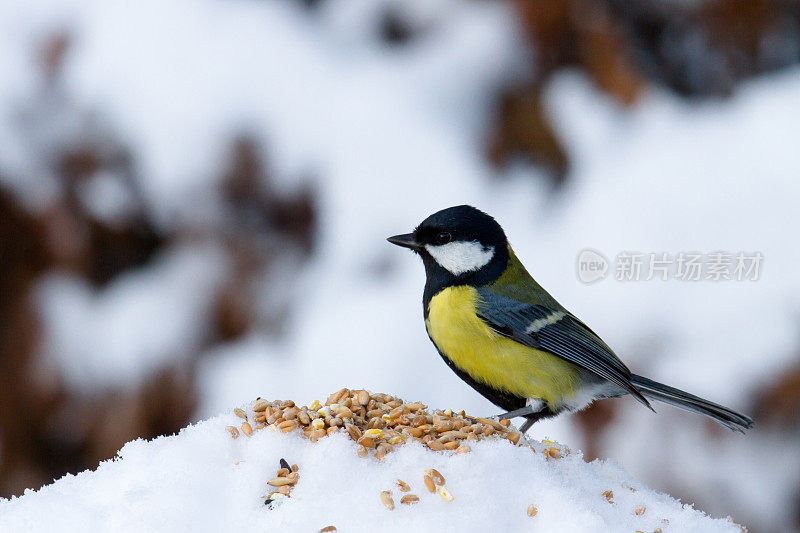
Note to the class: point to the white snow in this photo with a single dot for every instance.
(203, 480)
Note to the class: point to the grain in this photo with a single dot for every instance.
(303, 418)
(378, 422)
(409, 499)
(363, 397)
(435, 445)
(431, 486)
(287, 425)
(402, 485)
(437, 477)
(280, 481)
(445, 494)
(532, 510)
(386, 498)
(555, 453)
(353, 431)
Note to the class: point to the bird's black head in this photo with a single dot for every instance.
(458, 245)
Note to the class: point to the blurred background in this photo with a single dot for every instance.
(194, 197)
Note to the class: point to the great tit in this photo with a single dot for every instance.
(504, 335)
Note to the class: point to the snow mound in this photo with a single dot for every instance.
(202, 479)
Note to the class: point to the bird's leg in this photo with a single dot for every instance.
(533, 412)
(523, 411)
(526, 426)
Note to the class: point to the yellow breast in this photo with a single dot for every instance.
(491, 358)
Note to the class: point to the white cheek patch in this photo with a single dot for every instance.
(459, 257)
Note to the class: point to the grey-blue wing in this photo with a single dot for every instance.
(556, 331)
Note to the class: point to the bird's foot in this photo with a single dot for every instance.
(524, 411)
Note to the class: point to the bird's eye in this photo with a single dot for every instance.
(443, 238)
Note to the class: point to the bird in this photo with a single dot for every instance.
(510, 340)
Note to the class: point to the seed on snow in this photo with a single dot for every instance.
(363, 397)
(318, 423)
(281, 481)
(437, 477)
(409, 499)
(386, 498)
(639, 511)
(241, 414)
(532, 510)
(555, 453)
(233, 431)
(274, 496)
(609, 494)
(287, 425)
(403, 485)
(247, 429)
(445, 494)
(429, 483)
(373, 433)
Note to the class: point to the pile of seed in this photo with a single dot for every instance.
(379, 422)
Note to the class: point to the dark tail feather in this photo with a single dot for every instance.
(658, 391)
